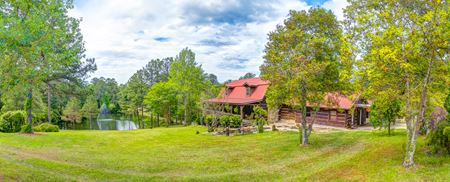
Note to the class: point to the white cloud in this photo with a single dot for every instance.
(337, 7)
(228, 37)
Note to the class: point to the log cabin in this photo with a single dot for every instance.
(337, 110)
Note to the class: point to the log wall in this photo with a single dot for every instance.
(330, 117)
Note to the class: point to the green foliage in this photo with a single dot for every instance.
(189, 79)
(383, 113)
(90, 107)
(162, 99)
(46, 127)
(260, 118)
(225, 120)
(106, 91)
(72, 111)
(439, 138)
(12, 121)
(447, 103)
(27, 128)
(302, 59)
(401, 46)
(209, 120)
(447, 132)
(247, 75)
(235, 121)
(33, 48)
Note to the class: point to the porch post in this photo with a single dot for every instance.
(241, 111)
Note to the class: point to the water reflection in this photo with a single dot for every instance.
(113, 124)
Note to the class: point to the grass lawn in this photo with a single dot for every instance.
(180, 154)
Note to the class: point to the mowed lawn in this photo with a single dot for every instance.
(179, 154)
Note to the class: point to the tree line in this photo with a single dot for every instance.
(394, 53)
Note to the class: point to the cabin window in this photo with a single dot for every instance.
(249, 91)
(228, 91)
(333, 116)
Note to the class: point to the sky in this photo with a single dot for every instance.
(228, 37)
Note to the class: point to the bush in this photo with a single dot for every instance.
(225, 121)
(438, 140)
(26, 129)
(46, 127)
(260, 124)
(235, 121)
(447, 132)
(12, 121)
(208, 120)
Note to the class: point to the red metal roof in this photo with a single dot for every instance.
(238, 94)
(336, 100)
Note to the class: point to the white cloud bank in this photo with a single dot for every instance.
(228, 37)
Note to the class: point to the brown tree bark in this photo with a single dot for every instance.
(49, 107)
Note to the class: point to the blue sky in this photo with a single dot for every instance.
(227, 36)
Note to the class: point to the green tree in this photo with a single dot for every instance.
(211, 78)
(403, 46)
(189, 80)
(137, 89)
(302, 61)
(162, 99)
(90, 107)
(106, 91)
(72, 111)
(157, 70)
(71, 75)
(384, 111)
(247, 75)
(36, 36)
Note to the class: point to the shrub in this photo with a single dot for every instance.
(447, 132)
(438, 139)
(12, 121)
(27, 128)
(260, 122)
(261, 116)
(235, 121)
(225, 121)
(208, 120)
(46, 127)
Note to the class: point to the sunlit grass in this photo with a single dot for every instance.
(181, 154)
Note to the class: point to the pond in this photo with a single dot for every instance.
(104, 123)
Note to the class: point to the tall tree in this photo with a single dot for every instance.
(106, 91)
(247, 75)
(36, 36)
(72, 111)
(73, 74)
(137, 89)
(162, 99)
(211, 78)
(90, 107)
(189, 79)
(403, 46)
(157, 70)
(302, 61)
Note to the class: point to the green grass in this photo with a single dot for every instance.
(168, 154)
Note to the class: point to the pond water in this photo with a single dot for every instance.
(115, 124)
(111, 123)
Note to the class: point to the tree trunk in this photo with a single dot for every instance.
(30, 107)
(49, 107)
(410, 144)
(151, 120)
(185, 109)
(305, 140)
(142, 116)
(389, 128)
(157, 120)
